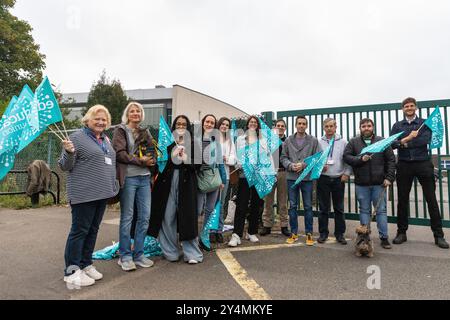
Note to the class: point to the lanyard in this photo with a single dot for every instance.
(102, 144)
(330, 155)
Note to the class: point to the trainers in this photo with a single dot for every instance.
(127, 265)
(91, 272)
(341, 240)
(292, 239)
(441, 243)
(385, 244)
(143, 262)
(192, 261)
(400, 238)
(285, 231)
(78, 279)
(322, 239)
(235, 240)
(265, 231)
(252, 237)
(309, 239)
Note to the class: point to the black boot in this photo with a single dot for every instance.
(285, 231)
(400, 238)
(441, 243)
(265, 231)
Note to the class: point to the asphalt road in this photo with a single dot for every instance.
(31, 267)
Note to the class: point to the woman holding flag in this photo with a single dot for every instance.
(251, 143)
(174, 215)
(132, 144)
(89, 159)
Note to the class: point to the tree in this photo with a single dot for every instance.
(110, 94)
(20, 60)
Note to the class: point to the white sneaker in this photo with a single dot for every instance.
(91, 272)
(252, 238)
(143, 262)
(235, 240)
(127, 265)
(78, 279)
(192, 261)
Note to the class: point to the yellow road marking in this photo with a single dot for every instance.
(266, 247)
(241, 276)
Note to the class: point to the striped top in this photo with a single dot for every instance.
(89, 177)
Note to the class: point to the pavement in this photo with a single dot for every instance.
(32, 250)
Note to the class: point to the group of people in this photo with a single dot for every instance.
(191, 183)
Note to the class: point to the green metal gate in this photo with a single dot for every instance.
(384, 116)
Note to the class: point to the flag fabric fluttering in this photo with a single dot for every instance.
(273, 140)
(318, 168)
(233, 131)
(434, 122)
(211, 224)
(11, 131)
(311, 161)
(44, 111)
(381, 145)
(165, 139)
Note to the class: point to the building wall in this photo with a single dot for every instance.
(195, 105)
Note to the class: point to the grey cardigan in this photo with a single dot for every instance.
(293, 154)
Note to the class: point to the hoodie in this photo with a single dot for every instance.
(339, 167)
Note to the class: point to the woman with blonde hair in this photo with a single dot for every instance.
(89, 159)
(132, 144)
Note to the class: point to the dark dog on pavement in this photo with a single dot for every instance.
(363, 244)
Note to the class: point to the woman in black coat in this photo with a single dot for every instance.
(174, 210)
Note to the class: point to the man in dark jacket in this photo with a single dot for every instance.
(414, 161)
(373, 174)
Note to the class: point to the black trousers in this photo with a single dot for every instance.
(331, 188)
(244, 195)
(424, 171)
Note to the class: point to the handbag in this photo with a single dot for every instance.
(208, 179)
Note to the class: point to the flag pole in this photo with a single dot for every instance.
(55, 133)
(65, 130)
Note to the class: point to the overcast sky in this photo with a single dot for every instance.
(257, 55)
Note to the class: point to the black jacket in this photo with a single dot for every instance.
(416, 149)
(187, 224)
(374, 171)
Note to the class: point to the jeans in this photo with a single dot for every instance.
(424, 171)
(86, 219)
(368, 196)
(207, 202)
(331, 188)
(223, 196)
(306, 187)
(135, 188)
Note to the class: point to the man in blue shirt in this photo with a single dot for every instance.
(414, 161)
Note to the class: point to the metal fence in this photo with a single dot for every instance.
(384, 116)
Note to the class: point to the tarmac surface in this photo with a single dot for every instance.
(32, 261)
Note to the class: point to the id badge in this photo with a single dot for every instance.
(330, 161)
(108, 161)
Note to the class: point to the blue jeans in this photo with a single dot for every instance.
(306, 187)
(138, 188)
(368, 196)
(86, 219)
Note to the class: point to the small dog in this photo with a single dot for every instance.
(363, 244)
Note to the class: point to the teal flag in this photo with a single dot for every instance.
(211, 224)
(317, 169)
(165, 139)
(257, 167)
(13, 125)
(151, 249)
(44, 111)
(233, 131)
(273, 140)
(381, 145)
(310, 163)
(434, 122)
(7, 110)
